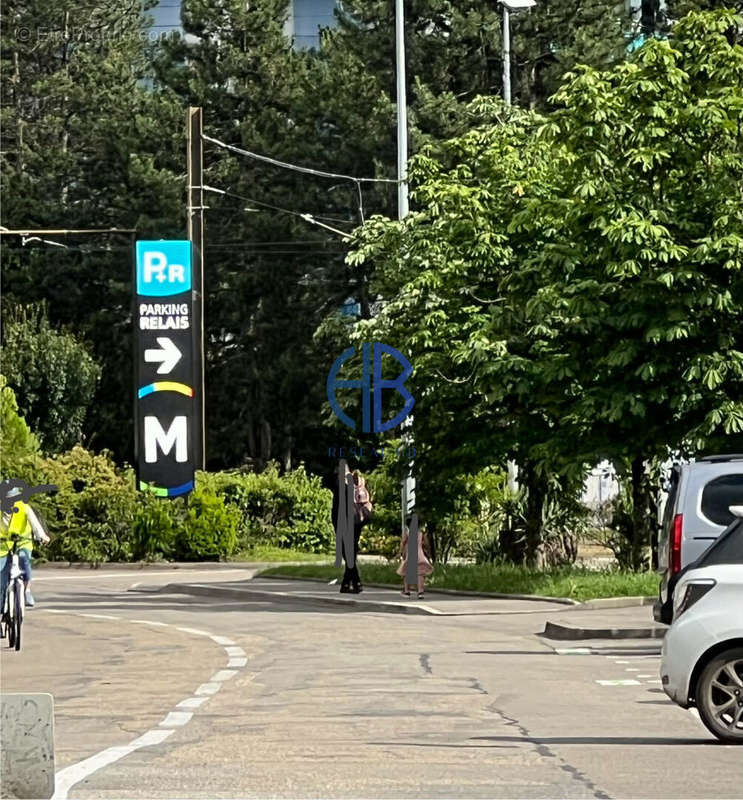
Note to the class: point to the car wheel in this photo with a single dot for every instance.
(719, 696)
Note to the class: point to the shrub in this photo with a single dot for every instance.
(210, 528)
(92, 517)
(157, 523)
(289, 511)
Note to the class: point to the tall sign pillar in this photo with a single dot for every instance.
(166, 448)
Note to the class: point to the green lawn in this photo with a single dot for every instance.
(577, 584)
(267, 553)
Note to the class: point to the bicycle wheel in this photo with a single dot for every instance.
(9, 621)
(18, 615)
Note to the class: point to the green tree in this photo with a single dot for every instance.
(83, 140)
(53, 375)
(562, 289)
(19, 447)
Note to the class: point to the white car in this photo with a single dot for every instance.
(702, 657)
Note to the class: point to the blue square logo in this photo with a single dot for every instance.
(163, 268)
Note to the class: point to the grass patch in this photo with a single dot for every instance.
(575, 583)
(268, 553)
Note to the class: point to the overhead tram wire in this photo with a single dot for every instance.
(305, 170)
(306, 217)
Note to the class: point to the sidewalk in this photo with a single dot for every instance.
(371, 599)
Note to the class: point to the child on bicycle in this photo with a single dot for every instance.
(24, 525)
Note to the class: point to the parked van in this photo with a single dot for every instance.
(697, 511)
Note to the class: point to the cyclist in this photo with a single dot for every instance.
(24, 524)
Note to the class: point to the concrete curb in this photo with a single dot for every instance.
(493, 595)
(215, 590)
(553, 630)
(618, 602)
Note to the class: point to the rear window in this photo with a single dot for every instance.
(728, 549)
(718, 495)
(673, 491)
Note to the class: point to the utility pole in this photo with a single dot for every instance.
(195, 158)
(402, 112)
(506, 55)
(407, 489)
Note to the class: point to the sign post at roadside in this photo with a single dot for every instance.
(165, 433)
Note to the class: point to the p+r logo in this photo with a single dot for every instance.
(371, 360)
(163, 268)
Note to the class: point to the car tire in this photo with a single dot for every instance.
(719, 696)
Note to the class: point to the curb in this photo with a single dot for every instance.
(618, 602)
(553, 630)
(493, 595)
(211, 590)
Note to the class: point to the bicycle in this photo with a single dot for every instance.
(14, 600)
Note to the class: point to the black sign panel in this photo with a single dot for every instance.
(165, 409)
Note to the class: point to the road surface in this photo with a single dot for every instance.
(166, 695)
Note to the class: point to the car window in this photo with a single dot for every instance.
(728, 549)
(668, 511)
(718, 495)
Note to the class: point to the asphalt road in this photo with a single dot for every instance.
(174, 696)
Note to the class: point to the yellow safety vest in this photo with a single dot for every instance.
(18, 525)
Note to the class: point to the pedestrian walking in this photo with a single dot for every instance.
(362, 511)
(425, 568)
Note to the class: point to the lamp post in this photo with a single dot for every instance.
(508, 6)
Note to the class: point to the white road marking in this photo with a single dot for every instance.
(631, 669)
(223, 675)
(192, 702)
(573, 651)
(654, 681)
(195, 632)
(101, 575)
(621, 662)
(66, 778)
(619, 683)
(644, 676)
(176, 719)
(134, 585)
(208, 688)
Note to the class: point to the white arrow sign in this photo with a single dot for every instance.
(170, 355)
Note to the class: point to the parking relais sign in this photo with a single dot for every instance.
(165, 371)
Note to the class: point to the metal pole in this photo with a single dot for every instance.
(506, 56)
(402, 112)
(195, 157)
(402, 202)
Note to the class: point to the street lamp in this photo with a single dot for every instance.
(508, 6)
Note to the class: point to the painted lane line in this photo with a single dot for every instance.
(621, 662)
(631, 669)
(176, 719)
(208, 688)
(654, 681)
(644, 676)
(620, 683)
(237, 662)
(195, 632)
(573, 651)
(223, 675)
(66, 778)
(100, 576)
(192, 702)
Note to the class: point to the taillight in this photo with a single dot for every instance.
(693, 591)
(678, 522)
